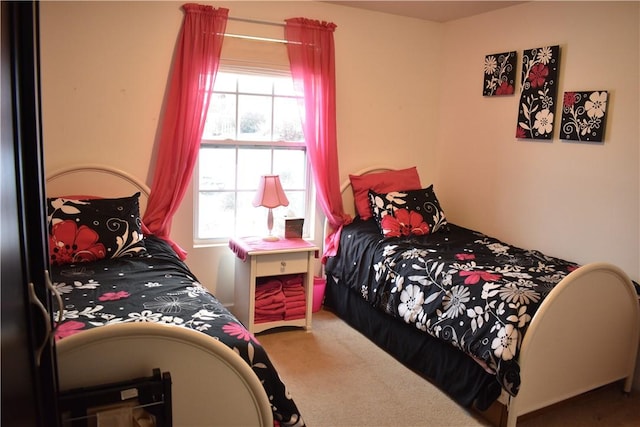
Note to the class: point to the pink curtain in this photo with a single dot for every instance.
(195, 65)
(311, 55)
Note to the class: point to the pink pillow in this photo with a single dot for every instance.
(381, 182)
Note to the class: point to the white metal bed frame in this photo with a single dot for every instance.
(211, 384)
(559, 327)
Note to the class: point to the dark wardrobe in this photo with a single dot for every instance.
(28, 371)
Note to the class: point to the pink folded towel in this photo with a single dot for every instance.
(270, 308)
(299, 290)
(296, 309)
(268, 300)
(292, 298)
(268, 285)
(264, 319)
(260, 293)
(295, 304)
(280, 298)
(270, 312)
(291, 280)
(295, 313)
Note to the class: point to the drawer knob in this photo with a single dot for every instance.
(283, 265)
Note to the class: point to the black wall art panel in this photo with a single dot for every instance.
(499, 74)
(538, 93)
(583, 116)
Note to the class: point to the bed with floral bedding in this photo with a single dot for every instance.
(110, 276)
(159, 288)
(479, 317)
(468, 289)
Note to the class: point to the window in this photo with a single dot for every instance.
(253, 128)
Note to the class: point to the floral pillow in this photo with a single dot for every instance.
(405, 213)
(82, 230)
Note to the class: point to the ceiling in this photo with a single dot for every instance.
(438, 11)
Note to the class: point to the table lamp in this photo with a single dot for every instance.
(270, 195)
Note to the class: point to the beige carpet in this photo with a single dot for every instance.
(337, 377)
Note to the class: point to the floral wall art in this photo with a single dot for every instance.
(538, 93)
(583, 116)
(499, 74)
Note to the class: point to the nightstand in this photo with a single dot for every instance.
(257, 259)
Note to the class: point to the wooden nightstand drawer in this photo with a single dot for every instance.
(287, 263)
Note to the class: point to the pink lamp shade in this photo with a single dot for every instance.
(270, 193)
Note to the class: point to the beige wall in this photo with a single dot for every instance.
(105, 67)
(409, 93)
(579, 202)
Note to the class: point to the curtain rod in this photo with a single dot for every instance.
(256, 21)
(262, 39)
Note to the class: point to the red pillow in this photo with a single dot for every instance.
(381, 182)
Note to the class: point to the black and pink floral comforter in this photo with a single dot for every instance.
(160, 288)
(471, 290)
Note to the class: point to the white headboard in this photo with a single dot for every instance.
(96, 180)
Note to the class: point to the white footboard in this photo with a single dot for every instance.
(584, 335)
(211, 384)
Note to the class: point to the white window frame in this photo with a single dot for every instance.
(309, 199)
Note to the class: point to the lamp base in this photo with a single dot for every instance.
(270, 237)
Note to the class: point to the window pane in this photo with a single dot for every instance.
(225, 82)
(287, 124)
(291, 166)
(217, 168)
(254, 117)
(283, 86)
(252, 163)
(216, 214)
(252, 221)
(255, 84)
(221, 119)
(296, 204)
